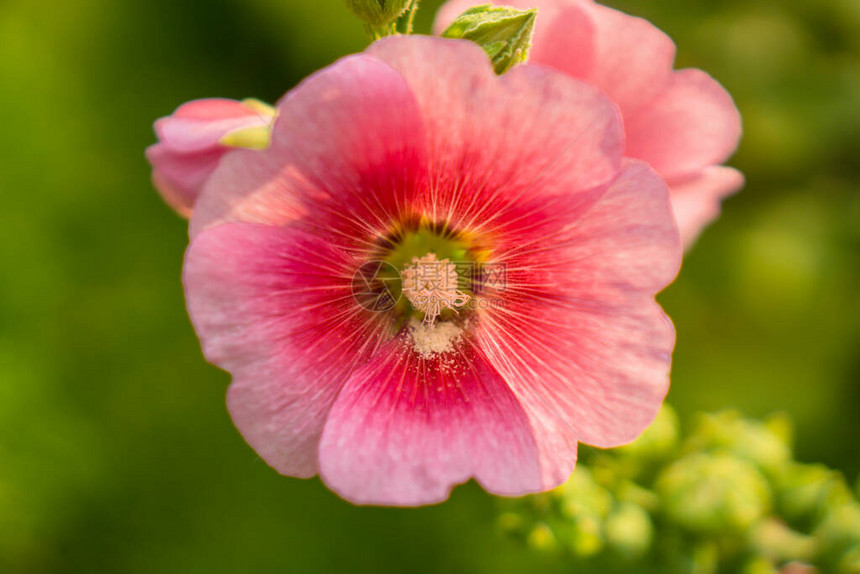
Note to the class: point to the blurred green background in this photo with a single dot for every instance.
(116, 451)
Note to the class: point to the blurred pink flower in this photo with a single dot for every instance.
(191, 143)
(683, 123)
(417, 139)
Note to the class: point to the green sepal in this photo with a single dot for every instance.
(504, 33)
(257, 137)
(379, 14)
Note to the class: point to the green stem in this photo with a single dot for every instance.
(377, 32)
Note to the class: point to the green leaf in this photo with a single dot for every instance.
(504, 33)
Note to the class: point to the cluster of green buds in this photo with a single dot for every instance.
(727, 498)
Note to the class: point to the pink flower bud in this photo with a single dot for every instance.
(193, 139)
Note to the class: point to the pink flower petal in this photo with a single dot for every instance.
(529, 163)
(185, 174)
(349, 133)
(500, 139)
(696, 200)
(322, 153)
(405, 430)
(208, 109)
(580, 340)
(625, 56)
(692, 124)
(273, 306)
(679, 122)
(200, 124)
(564, 39)
(633, 59)
(180, 201)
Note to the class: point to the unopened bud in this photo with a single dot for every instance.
(628, 491)
(582, 496)
(379, 12)
(748, 439)
(773, 539)
(252, 137)
(711, 494)
(850, 562)
(840, 529)
(759, 565)
(585, 539)
(511, 523)
(805, 491)
(629, 530)
(504, 33)
(542, 538)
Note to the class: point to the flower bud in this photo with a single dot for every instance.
(585, 539)
(804, 491)
(840, 529)
(193, 139)
(773, 539)
(628, 529)
(542, 538)
(582, 496)
(782, 427)
(713, 493)
(628, 491)
(504, 33)
(759, 565)
(379, 12)
(850, 562)
(511, 523)
(747, 439)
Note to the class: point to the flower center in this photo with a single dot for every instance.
(432, 285)
(422, 276)
(429, 270)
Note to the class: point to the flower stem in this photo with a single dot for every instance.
(381, 31)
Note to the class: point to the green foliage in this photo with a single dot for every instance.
(713, 494)
(728, 496)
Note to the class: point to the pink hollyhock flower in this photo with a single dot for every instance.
(683, 123)
(414, 156)
(194, 138)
